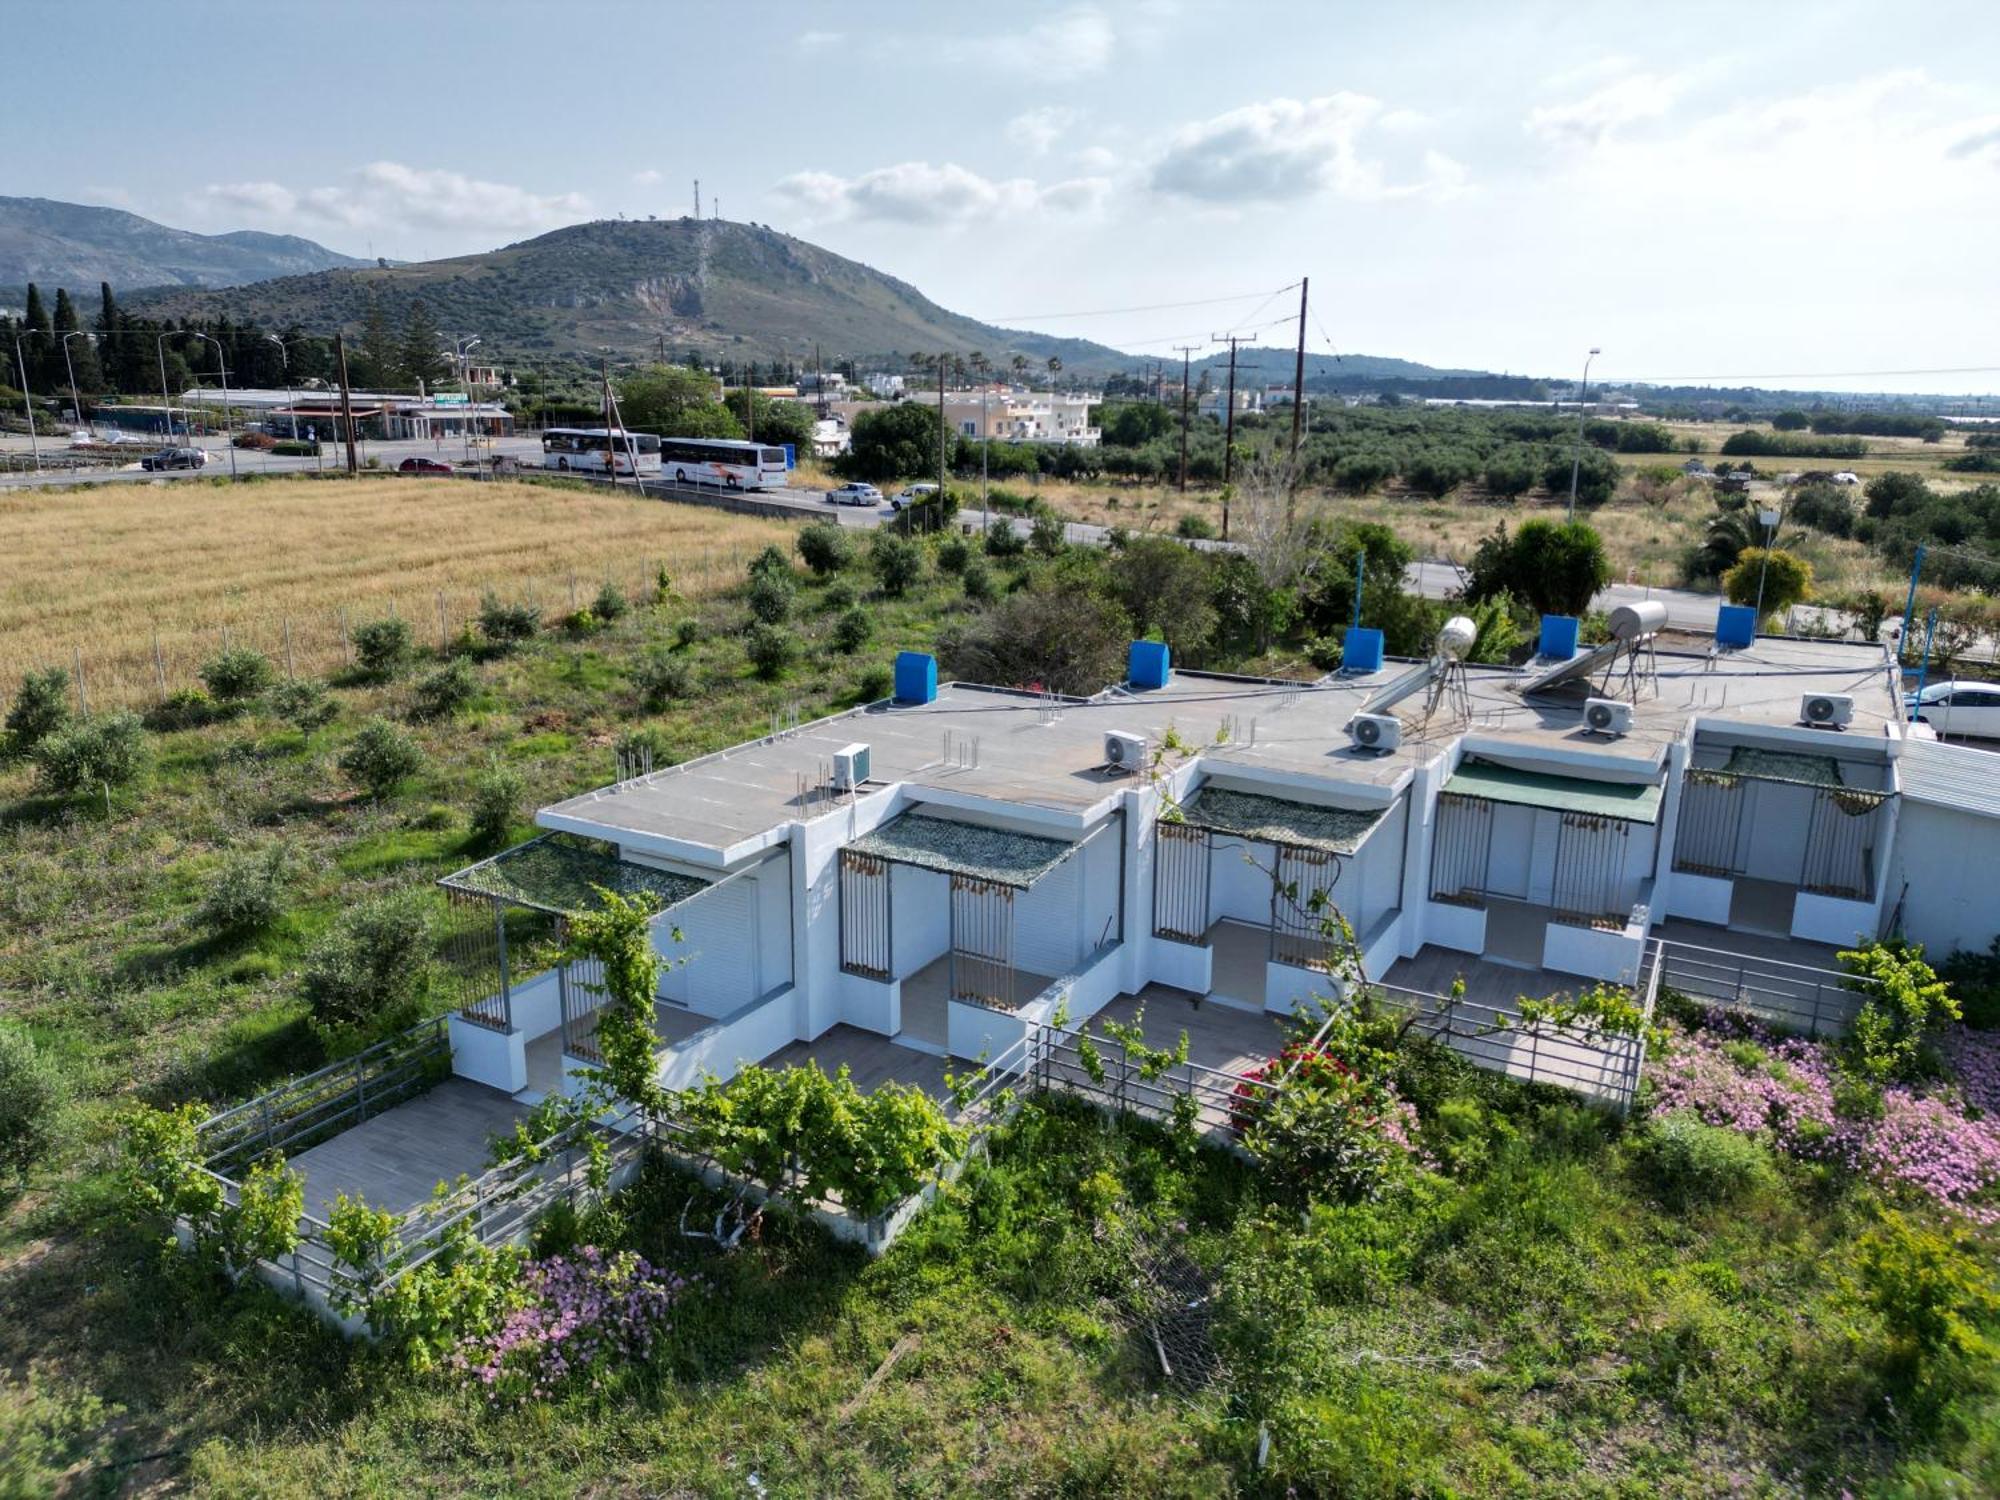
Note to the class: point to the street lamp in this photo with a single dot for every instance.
(75, 399)
(166, 396)
(291, 403)
(27, 405)
(1768, 519)
(1576, 453)
(222, 365)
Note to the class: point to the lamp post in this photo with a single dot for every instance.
(166, 396)
(1768, 519)
(27, 405)
(75, 397)
(1576, 453)
(222, 365)
(460, 348)
(291, 402)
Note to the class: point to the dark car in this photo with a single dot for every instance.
(174, 458)
(424, 466)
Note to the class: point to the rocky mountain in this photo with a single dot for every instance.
(736, 291)
(76, 245)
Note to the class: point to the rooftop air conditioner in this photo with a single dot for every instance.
(1826, 710)
(1383, 732)
(850, 768)
(1124, 752)
(1607, 716)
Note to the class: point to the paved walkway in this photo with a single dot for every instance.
(395, 1159)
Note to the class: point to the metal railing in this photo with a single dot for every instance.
(1798, 997)
(305, 1111)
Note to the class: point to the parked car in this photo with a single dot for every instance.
(1958, 708)
(175, 458)
(1846, 476)
(855, 493)
(916, 494)
(424, 466)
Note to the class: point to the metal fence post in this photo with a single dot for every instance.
(360, 1091)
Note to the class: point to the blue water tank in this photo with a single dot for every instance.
(1148, 664)
(1735, 625)
(1361, 650)
(1559, 634)
(916, 677)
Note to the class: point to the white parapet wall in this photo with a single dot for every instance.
(1185, 966)
(1700, 898)
(731, 1044)
(1460, 928)
(1829, 919)
(1287, 987)
(498, 1059)
(1594, 952)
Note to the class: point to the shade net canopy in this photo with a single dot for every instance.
(998, 855)
(1635, 802)
(1276, 820)
(563, 875)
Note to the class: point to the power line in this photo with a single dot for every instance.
(1105, 312)
(1806, 375)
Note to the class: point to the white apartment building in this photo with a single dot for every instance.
(1014, 416)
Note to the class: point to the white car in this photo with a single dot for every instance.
(1846, 476)
(916, 494)
(1969, 708)
(855, 493)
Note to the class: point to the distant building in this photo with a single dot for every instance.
(1006, 415)
(831, 437)
(1210, 403)
(883, 384)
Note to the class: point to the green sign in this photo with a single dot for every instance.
(450, 398)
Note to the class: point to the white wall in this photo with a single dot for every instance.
(717, 966)
(1950, 863)
(1379, 867)
(1771, 844)
(498, 1059)
(920, 918)
(1048, 921)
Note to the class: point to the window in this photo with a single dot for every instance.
(774, 456)
(970, 429)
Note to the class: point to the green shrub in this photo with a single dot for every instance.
(898, 563)
(771, 594)
(686, 632)
(31, 1098)
(770, 649)
(770, 560)
(183, 708)
(873, 685)
(977, 579)
(40, 708)
(496, 803)
(382, 647)
(660, 677)
(1046, 535)
(1937, 1297)
(1975, 983)
(380, 757)
(109, 750)
(1195, 528)
(826, 548)
(302, 702)
(839, 595)
(1002, 540)
(237, 674)
(952, 554)
(582, 622)
(444, 690)
(610, 603)
(1903, 1003)
(371, 969)
(852, 630)
(247, 893)
(1693, 1164)
(506, 625)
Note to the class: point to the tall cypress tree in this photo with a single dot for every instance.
(35, 339)
(421, 351)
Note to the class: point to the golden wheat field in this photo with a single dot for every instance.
(138, 584)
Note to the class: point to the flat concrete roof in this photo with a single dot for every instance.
(1022, 750)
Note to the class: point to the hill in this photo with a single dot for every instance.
(1273, 365)
(734, 290)
(77, 245)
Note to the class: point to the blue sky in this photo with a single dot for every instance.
(1783, 191)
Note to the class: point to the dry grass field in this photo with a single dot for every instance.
(141, 583)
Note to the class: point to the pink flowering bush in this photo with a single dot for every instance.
(1735, 1073)
(579, 1317)
(1974, 1058)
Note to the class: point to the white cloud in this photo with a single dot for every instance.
(1039, 129)
(648, 177)
(1095, 159)
(1072, 44)
(1589, 121)
(818, 41)
(1284, 149)
(916, 192)
(1981, 139)
(388, 194)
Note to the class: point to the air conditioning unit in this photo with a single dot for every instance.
(1124, 752)
(1826, 710)
(1383, 732)
(850, 768)
(1607, 716)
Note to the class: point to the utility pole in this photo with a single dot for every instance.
(28, 406)
(944, 430)
(1184, 350)
(1576, 452)
(1228, 433)
(75, 396)
(346, 402)
(222, 365)
(166, 397)
(610, 453)
(697, 197)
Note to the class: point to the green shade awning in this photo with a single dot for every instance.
(1783, 765)
(953, 848)
(1274, 820)
(560, 873)
(1634, 802)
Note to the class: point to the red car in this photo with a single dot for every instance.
(423, 466)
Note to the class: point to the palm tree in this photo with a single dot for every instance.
(1055, 368)
(1019, 365)
(980, 364)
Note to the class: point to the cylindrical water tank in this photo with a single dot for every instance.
(1457, 637)
(1631, 621)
